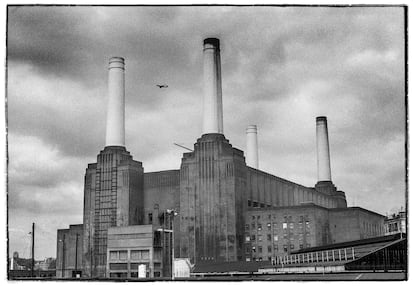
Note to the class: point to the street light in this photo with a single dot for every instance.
(173, 213)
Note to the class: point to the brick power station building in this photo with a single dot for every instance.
(219, 206)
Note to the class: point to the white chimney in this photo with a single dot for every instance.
(213, 106)
(252, 152)
(322, 147)
(115, 120)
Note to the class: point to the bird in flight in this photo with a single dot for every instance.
(162, 85)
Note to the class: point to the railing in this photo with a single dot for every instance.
(341, 254)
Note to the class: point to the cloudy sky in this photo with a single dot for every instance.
(281, 67)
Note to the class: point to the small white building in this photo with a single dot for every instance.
(395, 223)
(182, 267)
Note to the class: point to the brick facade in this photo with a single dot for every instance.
(277, 231)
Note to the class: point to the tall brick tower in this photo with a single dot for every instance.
(212, 181)
(113, 192)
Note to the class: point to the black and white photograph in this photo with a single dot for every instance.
(206, 142)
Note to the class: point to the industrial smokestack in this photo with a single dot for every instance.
(252, 152)
(322, 146)
(213, 106)
(115, 120)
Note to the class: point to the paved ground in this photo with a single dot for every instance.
(346, 276)
(317, 277)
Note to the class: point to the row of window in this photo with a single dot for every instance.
(255, 204)
(252, 238)
(286, 218)
(275, 248)
(258, 258)
(124, 266)
(123, 255)
(285, 225)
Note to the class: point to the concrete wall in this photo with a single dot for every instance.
(266, 190)
(212, 201)
(298, 226)
(326, 226)
(69, 246)
(354, 223)
(88, 218)
(162, 191)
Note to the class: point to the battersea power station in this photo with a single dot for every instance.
(218, 207)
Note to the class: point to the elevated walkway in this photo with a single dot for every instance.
(380, 253)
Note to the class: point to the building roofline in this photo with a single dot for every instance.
(357, 208)
(302, 205)
(278, 178)
(164, 171)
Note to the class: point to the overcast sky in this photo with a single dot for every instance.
(281, 67)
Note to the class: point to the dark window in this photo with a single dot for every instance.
(253, 225)
(150, 218)
(253, 238)
(260, 249)
(118, 266)
(269, 237)
(247, 226)
(123, 255)
(249, 203)
(269, 249)
(247, 249)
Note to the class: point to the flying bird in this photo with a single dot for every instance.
(162, 85)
